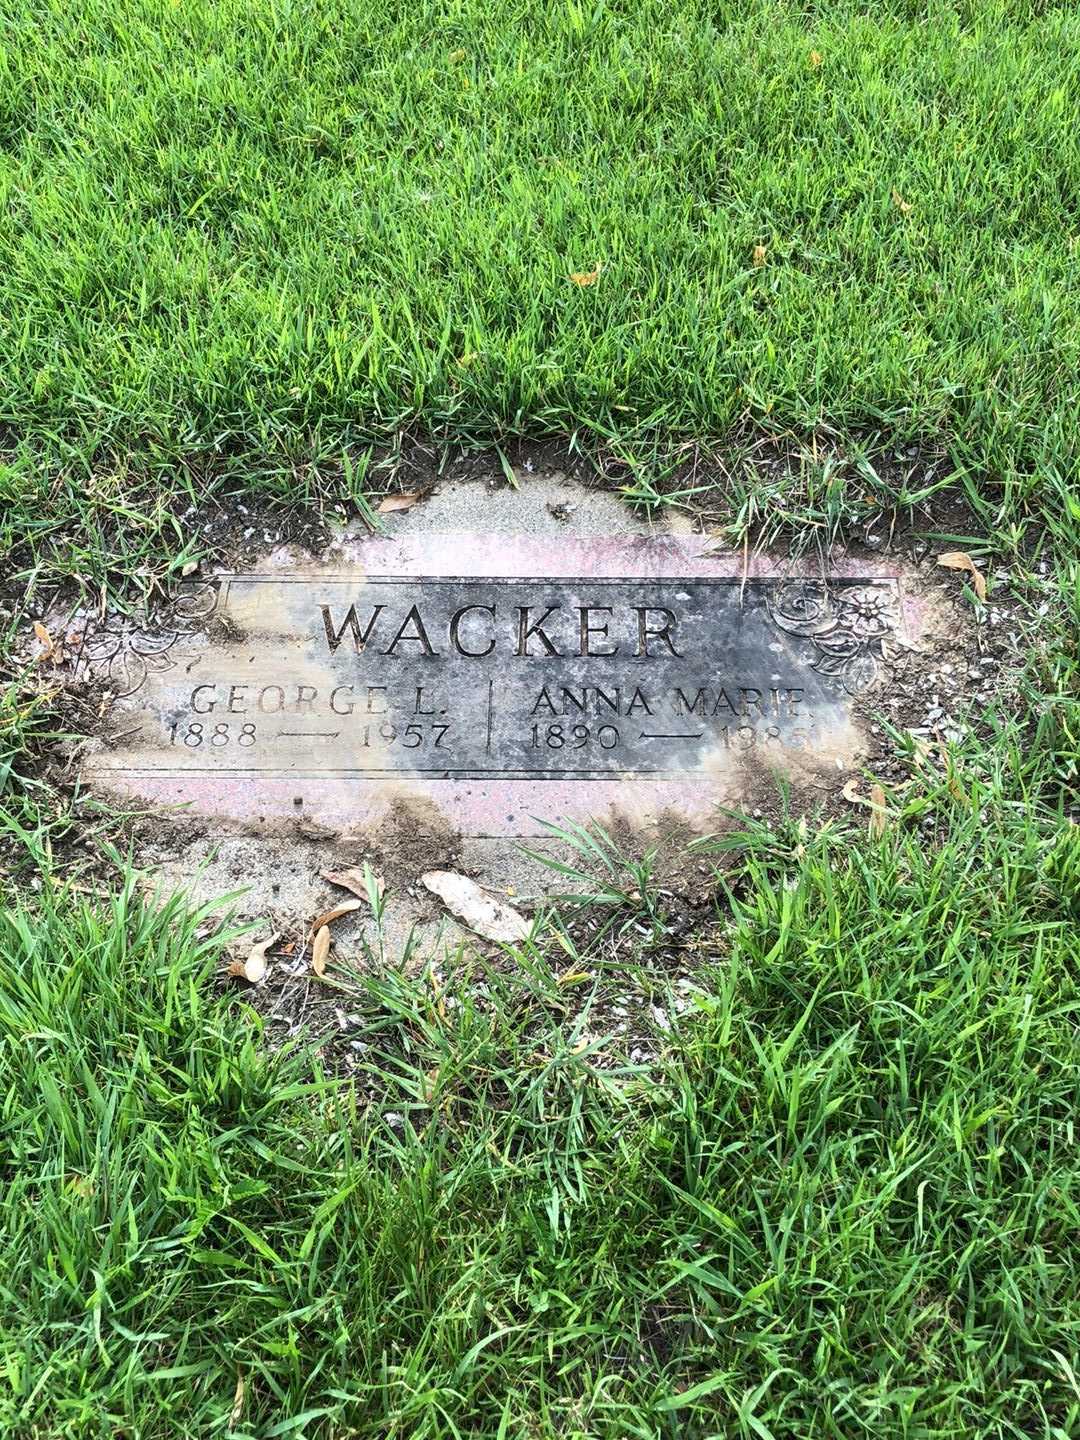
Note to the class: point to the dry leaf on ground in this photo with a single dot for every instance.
(904, 206)
(760, 251)
(237, 1411)
(586, 277)
(575, 977)
(879, 814)
(329, 916)
(961, 560)
(320, 949)
(398, 502)
(354, 879)
(955, 789)
(480, 910)
(253, 968)
(50, 651)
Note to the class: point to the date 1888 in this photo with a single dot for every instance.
(196, 733)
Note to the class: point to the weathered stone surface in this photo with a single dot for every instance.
(576, 677)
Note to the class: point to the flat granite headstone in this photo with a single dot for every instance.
(507, 680)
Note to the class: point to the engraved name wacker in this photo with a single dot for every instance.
(495, 677)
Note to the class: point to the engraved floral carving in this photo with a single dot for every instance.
(122, 651)
(847, 625)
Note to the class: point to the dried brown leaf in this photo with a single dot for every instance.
(961, 560)
(879, 814)
(353, 879)
(586, 277)
(253, 967)
(320, 949)
(44, 638)
(399, 502)
(760, 251)
(575, 977)
(904, 206)
(480, 910)
(237, 1411)
(851, 794)
(329, 916)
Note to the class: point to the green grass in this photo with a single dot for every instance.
(245, 239)
(844, 1200)
(241, 245)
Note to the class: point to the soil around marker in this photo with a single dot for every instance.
(234, 548)
(935, 693)
(703, 482)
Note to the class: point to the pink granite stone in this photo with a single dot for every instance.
(684, 678)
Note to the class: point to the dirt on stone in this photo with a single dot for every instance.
(413, 836)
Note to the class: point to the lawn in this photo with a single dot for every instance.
(242, 246)
(845, 1200)
(249, 238)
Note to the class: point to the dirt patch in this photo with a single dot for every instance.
(764, 488)
(414, 836)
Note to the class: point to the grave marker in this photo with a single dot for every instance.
(644, 676)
